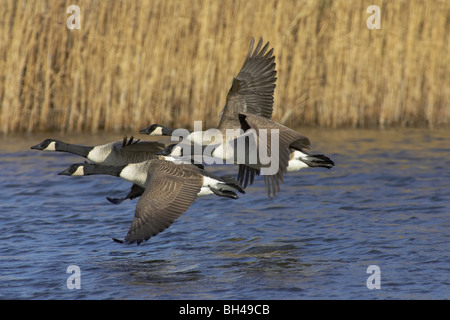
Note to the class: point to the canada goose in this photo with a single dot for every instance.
(114, 153)
(292, 147)
(169, 191)
(289, 155)
(298, 159)
(289, 141)
(251, 91)
(137, 191)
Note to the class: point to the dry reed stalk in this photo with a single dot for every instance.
(134, 63)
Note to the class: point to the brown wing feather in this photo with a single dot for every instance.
(135, 152)
(148, 146)
(253, 88)
(170, 192)
(287, 135)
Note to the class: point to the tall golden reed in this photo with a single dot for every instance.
(134, 63)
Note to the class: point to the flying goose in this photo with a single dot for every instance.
(289, 155)
(298, 159)
(292, 154)
(289, 141)
(114, 153)
(170, 189)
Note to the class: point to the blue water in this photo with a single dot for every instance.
(386, 203)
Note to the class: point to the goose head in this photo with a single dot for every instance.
(46, 145)
(76, 169)
(86, 169)
(157, 130)
(173, 150)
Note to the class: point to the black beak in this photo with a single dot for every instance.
(145, 131)
(65, 172)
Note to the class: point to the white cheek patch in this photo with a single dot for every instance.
(156, 132)
(79, 171)
(51, 146)
(176, 152)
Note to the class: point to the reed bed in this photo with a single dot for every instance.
(134, 63)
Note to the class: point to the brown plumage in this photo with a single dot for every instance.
(253, 88)
(167, 189)
(170, 191)
(288, 138)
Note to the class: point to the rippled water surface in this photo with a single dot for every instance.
(386, 203)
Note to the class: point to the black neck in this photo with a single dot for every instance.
(82, 151)
(167, 131)
(91, 169)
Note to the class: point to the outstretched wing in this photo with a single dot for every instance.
(252, 89)
(168, 195)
